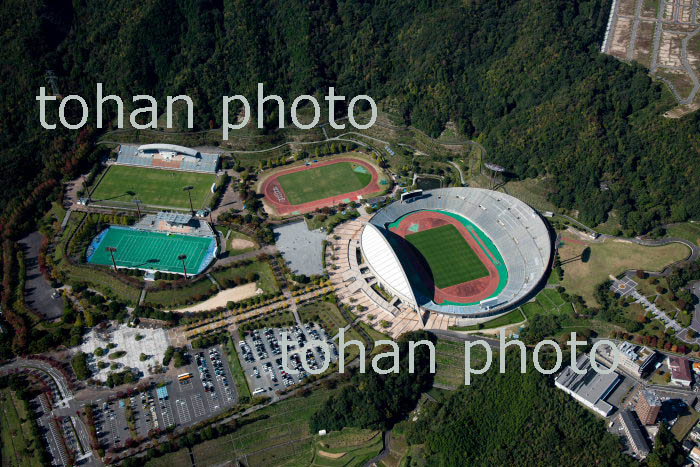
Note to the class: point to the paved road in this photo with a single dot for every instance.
(695, 290)
(384, 452)
(37, 289)
(461, 174)
(268, 250)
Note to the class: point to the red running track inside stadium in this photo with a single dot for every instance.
(466, 292)
(285, 207)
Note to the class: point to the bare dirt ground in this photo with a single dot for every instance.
(219, 300)
(331, 455)
(661, 35)
(241, 244)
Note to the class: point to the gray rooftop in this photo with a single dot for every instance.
(635, 431)
(174, 217)
(591, 386)
(652, 399)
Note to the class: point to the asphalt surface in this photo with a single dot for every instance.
(261, 364)
(38, 291)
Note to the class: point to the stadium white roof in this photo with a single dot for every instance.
(383, 261)
(169, 147)
(174, 217)
(516, 230)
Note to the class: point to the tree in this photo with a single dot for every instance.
(79, 364)
(667, 451)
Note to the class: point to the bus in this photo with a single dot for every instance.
(184, 377)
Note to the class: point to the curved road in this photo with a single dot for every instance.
(383, 453)
(694, 249)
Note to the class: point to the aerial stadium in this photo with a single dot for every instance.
(167, 156)
(166, 241)
(466, 252)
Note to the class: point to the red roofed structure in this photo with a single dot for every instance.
(680, 371)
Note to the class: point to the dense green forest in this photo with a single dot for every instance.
(513, 419)
(378, 401)
(525, 77)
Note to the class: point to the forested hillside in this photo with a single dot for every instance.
(524, 76)
(514, 419)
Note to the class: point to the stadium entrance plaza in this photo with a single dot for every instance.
(348, 278)
(302, 248)
(152, 342)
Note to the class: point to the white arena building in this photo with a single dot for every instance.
(510, 236)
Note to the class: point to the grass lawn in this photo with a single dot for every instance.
(266, 277)
(277, 432)
(547, 301)
(185, 295)
(451, 259)
(373, 333)
(102, 281)
(280, 319)
(153, 187)
(324, 313)
(684, 424)
(449, 360)
(236, 369)
(17, 440)
(533, 191)
(610, 257)
(554, 278)
(512, 317)
(174, 459)
(240, 243)
(324, 182)
(350, 446)
(686, 230)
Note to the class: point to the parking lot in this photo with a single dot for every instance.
(261, 356)
(203, 388)
(51, 433)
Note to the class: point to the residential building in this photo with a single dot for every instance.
(648, 407)
(635, 433)
(680, 371)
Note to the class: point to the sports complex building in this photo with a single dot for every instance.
(456, 253)
(167, 156)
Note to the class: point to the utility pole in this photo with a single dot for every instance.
(138, 209)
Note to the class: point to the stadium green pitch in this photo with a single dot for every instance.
(153, 187)
(324, 182)
(450, 258)
(152, 250)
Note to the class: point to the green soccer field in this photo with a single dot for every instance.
(324, 181)
(153, 187)
(152, 250)
(449, 256)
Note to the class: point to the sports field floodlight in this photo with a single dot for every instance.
(137, 202)
(184, 266)
(189, 189)
(112, 250)
(495, 169)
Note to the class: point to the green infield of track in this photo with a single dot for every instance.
(324, 182)
(152, 250)
(450, 258)
(153, 187)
